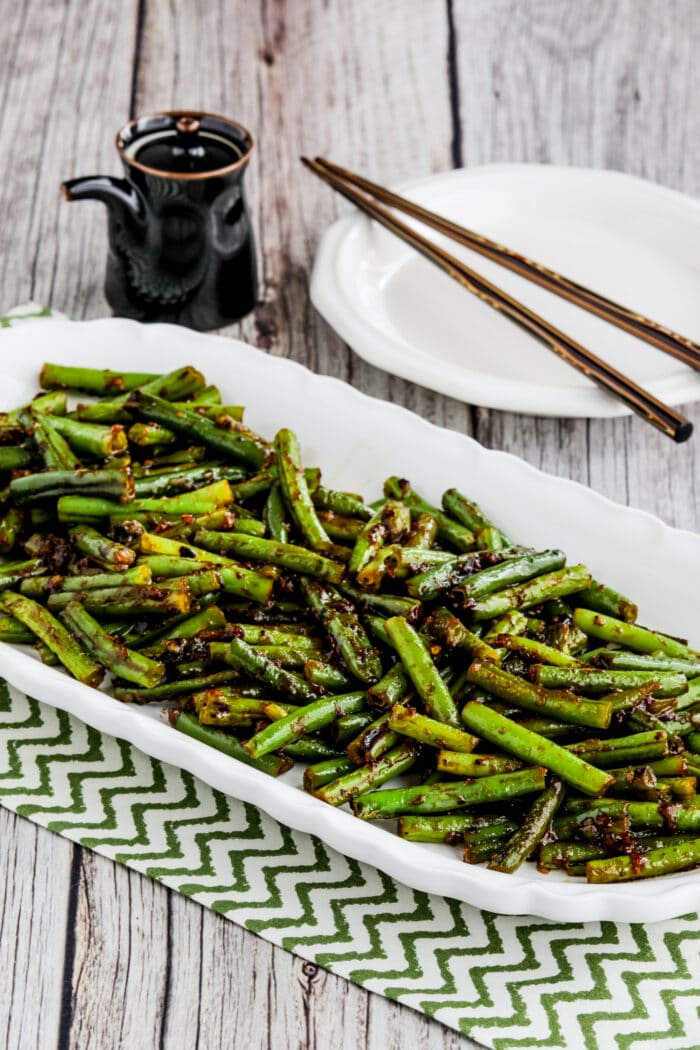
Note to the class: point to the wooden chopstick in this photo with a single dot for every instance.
(636, 324)
(660, 415)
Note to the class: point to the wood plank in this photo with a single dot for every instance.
(121, 958)
(609, 84)
(35, 872)
(65, 88)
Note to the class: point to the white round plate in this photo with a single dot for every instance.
(359, 441)
(631, 240)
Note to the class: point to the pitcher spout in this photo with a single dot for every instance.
(122, 199)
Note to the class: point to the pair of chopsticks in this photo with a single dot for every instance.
(359, 191)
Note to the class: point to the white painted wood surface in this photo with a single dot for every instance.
(92, 955)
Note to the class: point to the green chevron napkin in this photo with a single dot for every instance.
(508, 982)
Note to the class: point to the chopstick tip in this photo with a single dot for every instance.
(312, 165)
(683, 432)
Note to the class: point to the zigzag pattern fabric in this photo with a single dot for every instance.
(507, 982)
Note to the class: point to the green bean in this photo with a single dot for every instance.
(148, 435)
(254, 663)
(345, 503)
(296, 493)
(419, 666)
(290, 634)
(295, 656)
(440, 798)
(91, 380)
(450, 632)
(23, 569)
(13, 457)
(11, 524)
(390, 688)
(409, 722)
(559, 705)
(236, 579)
(276, 514)
(391, 764)
(614, 660)
(525, 595)
(114, 556)
(53, 447)
(109, 650)
(327, 676)
(623, 750)
(202, 581)
(390, 522)
(438, 579)
(521, 567)
(605, 600)
(531, 649)
(594, 681)
(91, 438)
(447, 827)
(530, 747)
(234, 709)
(131, 600)
(312, 749)
(42, 586)
(382, 604)
(287, 555)
(54, 402)
(154, 642)
(322, 773)
(609, 629)
(228, 744)
(342, 624)
(491, 539)
(54, 483)
(372, 741)
(531, 832)
(234, 442)
(479, 765)
(465, 511)
(14, 632)
(308, 719)
(171, 690)
(674, 857)
(186, 479)
(343, 530)
(53, 635)
(449, 530)
(423, 532)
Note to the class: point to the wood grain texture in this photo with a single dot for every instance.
(35, 873)
(396, 90)
(65, 89)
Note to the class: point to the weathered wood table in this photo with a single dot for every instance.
(90, 954)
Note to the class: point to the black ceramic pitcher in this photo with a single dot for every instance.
(181, 244)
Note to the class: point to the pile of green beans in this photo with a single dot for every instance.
(422, 665)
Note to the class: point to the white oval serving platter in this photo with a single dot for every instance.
(632, 240)
(359, 441)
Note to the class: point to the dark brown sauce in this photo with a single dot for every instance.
(189, 154)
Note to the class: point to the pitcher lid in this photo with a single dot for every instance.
(184, 144)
